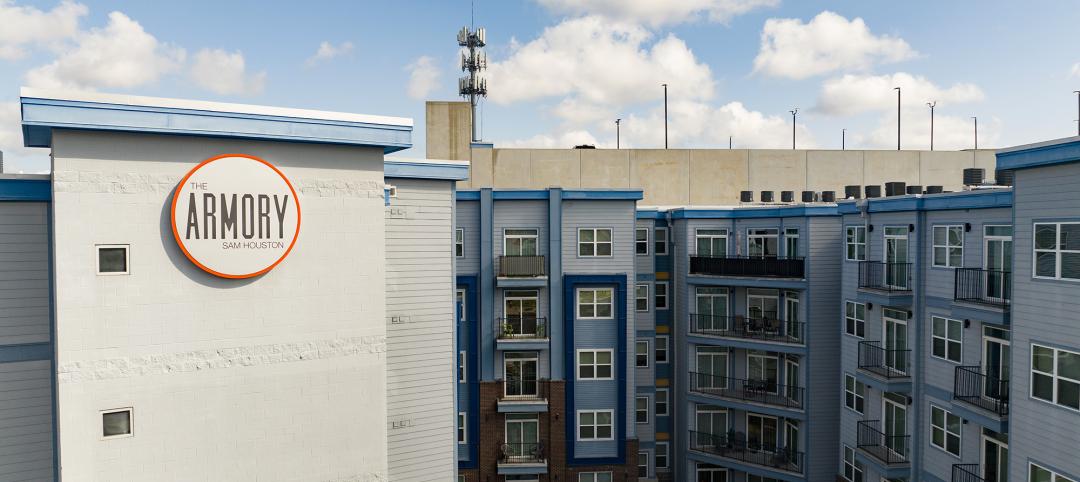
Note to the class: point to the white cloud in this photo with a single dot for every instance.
(327, 51)
(562, 140)
(656, 13)
(598, 61)
(223, 72)
(24, 27)
(16, 157)
(827, 43)
(121, 55)
(423, 77)
(1075, 72)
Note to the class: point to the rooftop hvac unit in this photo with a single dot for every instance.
(872, 191)
(895, 188)
(787, 196)
(828, 196)
(934, 189)
(1004, 177)
(746, 196)
(808, 196)
(766, 196)
(852, 192)
(973, 176)
(914, 189)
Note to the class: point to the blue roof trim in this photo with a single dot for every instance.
(519, 195)
(424, 170)
(651, 214)
(40, 116)
(620, 195)
(988, 199)
(539, 194)
(1045, 154)
(482, 145)
(468, 195)
(25, 190)
(742, 213)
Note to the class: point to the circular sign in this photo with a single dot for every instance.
(235, 216)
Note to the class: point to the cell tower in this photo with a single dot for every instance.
(472, 86)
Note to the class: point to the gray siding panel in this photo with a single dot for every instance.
(822, 365)
(26, 421)
(24, 273)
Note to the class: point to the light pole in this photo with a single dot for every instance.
(729, 142)
(897, 118)
(843, 139)
(794, 112)
(617, 121)
(931, 105)
(665, 117)
(976, 132)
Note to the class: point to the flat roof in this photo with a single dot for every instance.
(1045, 153)
(444, 169)
(566, 194)
(25, 187)
(975, 199)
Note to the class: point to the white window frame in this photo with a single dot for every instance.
(851, 238)
(853, 464)
(463, 434)
(855, 321)
(127, 259)
(945, 433)
(708, 470)
(595, 243)
(789, 234)
(131, 423)
(595, 364)
(459, 243)
(662, 346)
(637, 344)
(660, 240)
(854, 394)
(698, 237)
(1054, 376)
(594, 476)
(639, 297)
(638, 410)
(463, 373)
(666, 456)
(596, 425)
(657, 296)
(666, 402)
(948, 262)
(1056, 250)
(1054, 476)
(946, 340)
(595, 304)
(535, 236)
(644, 453)
(763, 234)
(639, 241)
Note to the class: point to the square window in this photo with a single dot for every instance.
(948, 246)
(595, 303)
(641, 354)
(116, 423)
(112, 259)
(594, 425)
(1056, 251)
(1055, 376)
(594, 242)
(641, 241)
(641, 409)
(641, 297)
(594, 364)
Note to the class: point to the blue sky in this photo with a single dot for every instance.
(563, 70)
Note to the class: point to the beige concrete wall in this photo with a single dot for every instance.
(448, 130)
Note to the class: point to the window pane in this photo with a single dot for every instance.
(1045, 236)
(586, 358)
(1038, 474)
(1069, 394)
(956, 236)
(603, 235)
(116, 423)
(603, 249)
(603, 357)
(1070, 237)
(939, 235)
(1070, 265)
(1068, 365)
(1042, 359)
(585, 250)
(939, 327)
(955, 328)
(112, 260)
(1045, 264)
(603, 418)
(1042, 386)
(586, 235)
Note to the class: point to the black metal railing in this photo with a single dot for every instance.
(769, 392)
(884, 362)
(521, 328)
(971, 385)
(756, 266)
(524, 390)
(986, 286)
(521, 453)
(521, 266)
(966, 473)
(888, 448)
(734, 445)
(891, 277)
(767, 327)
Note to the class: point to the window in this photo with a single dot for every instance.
(762, 243)
(945, 430)
(519, 242)
(712, 242)
(641, 297)
(594, 242)
(791, 242)
(946, 337)
(643, 465)
(112, 259)
(459, 243)
(462, 375)
(641, 409)
(661, 349)
(662, 455)
(711, 473)
(661, 235)
(661, 295)
(856, 243)
(1057, 250)
(949, 246)
(594, 425)
(758, 478)
(641, 241)
(116, 423)
(855, 319)
(1055, 376)
(594, 477)
(1039, 474)
(641, 354)
(461, 478)
(853, 470)
(594, 303)
(854, 394)
(594, 364)
(461, 427)
(661, 401)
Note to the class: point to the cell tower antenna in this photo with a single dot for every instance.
(472, 86)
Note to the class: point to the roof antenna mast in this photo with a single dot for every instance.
(473, 61)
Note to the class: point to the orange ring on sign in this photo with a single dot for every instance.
(176, 233)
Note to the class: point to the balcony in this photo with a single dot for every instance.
(734, 446)
(888, 449)
(983, 286)
(885, 363)
(765, 392)
(521, 267)
(767, 328)
(746, 266)
(523, 395)
(972, 386)
(966, 473)
(521, 333)
(885, 277)
(522, 453)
